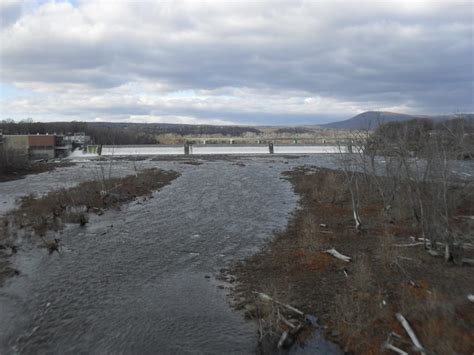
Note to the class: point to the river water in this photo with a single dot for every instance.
(142, 279)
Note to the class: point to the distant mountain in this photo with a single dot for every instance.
(371, 119)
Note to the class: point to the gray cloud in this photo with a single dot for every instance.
(413, 56)
(10, 12)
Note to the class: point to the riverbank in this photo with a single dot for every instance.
(39, 219)
(32, 168)
(357, 301)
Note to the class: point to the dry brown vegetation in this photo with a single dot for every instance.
(51, 211)
(357, 301)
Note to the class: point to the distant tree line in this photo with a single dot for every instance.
(293, 130)
(119, 133)
(419, 135)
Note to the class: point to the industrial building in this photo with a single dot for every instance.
(78, 139)
(38, 146)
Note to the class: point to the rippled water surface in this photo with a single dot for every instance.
(134, 280)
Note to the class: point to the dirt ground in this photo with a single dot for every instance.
(356, 302)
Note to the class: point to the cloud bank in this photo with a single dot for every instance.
(283, 62)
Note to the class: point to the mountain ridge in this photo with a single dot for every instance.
(371, 119)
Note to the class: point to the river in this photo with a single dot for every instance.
(142, 279)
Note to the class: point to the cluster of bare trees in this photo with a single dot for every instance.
(101, 134)
(123, 133)
(416, 168)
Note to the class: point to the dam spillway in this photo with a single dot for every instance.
(220, 149)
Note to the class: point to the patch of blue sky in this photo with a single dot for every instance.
(191, 93)
(182, 93)
(10, 91)
(38, 3)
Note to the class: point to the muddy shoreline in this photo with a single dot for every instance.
(356, 302)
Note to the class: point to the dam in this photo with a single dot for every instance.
(221, 149)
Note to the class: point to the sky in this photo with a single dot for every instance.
(234, 62)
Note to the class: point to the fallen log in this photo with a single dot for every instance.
(286, 321)
(433, 252)
(282, 340)
(338, 255)
(326, 232)
(467, 261)
(463, 245)
(408, 245)
(411, 333)
(389, 346)
(267, 298)
(464, 217)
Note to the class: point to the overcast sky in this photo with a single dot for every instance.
(261, 62)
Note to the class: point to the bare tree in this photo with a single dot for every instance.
(348, 164)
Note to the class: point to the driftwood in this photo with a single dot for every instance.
(289, 336)
(283, 337)
(433, 252)
(467, 261)
(286, 321)
(389, 344)
(410, 332)
(338, 255)
(267, 298)
(464, 217)
(408, 245)
(462, 245)
(326, 232)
